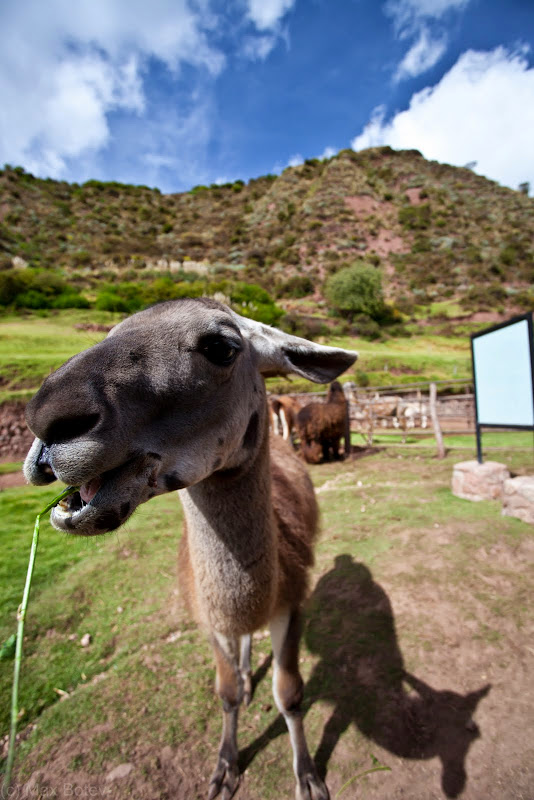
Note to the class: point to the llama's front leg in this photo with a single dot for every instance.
(245, 648)
(229, 684)
(287, 690)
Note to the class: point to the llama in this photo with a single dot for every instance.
(173, 399)
(284, 410)
(320, 426)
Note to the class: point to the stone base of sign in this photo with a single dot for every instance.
(518, 498)
(474, 481)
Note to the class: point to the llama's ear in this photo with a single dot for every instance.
(280, 353)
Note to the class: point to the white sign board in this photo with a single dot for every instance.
(502, 366)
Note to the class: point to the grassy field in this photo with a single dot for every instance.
(420, 602)
(33, 345)
(491, 440)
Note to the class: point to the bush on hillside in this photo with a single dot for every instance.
(38, 289)
(365, 327)
(484, 298)
(415, 217)
(296, 286)
(356, 290)
(305, 327)
(250, 300)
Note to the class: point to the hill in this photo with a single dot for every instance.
(436, 233)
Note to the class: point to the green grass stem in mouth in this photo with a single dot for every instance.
(21, 616)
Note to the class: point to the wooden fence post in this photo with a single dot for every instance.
(435, 421)
(348, 446)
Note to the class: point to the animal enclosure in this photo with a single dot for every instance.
(403, 410)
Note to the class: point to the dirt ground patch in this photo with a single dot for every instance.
(12, 479)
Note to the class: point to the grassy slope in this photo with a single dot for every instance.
(31, 346)
(381, 512)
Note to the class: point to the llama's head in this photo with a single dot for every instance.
(172, 395)
(335, 393)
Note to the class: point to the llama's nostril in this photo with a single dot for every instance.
(43, 465)
(67, 428)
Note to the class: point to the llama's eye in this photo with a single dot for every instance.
(220, 351)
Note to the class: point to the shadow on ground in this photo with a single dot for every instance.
(361, 674)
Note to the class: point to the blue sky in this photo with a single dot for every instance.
(172, 93)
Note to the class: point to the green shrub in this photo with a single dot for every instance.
(366, 328)
(356, 290)
(31, 299)
(252, 301)
(415, 217)
(508, 256)
(421, 244)
(11, 283)
(484, 298)
(296, 286)
(37, 289)
(70, 299)
(110, 301)
(81, 258)
(305, 327)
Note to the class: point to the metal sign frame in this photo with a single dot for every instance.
(514, 320)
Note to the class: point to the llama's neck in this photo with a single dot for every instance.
(232, 545)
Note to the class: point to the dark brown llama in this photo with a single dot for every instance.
(320, 426)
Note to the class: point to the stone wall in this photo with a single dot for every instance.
(15, 438)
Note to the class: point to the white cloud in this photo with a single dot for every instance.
(257, 48)
(420, 19)
(328, 152)
(482, 110)
(267, 14)
(421, 56)
(296, 160)
(406, 13)
(65, 66)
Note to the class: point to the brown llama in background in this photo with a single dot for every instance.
(320, 426)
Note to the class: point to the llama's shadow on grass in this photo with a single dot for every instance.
(361, 674)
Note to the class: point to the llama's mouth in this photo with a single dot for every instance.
(79, 500)
(91, 509)
(105, 502)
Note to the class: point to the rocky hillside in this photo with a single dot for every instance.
(434, 231)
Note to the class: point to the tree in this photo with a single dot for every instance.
(356, 290)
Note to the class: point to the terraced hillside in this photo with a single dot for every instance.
(435, 232)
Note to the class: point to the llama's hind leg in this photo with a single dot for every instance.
(245, 647)
(229, 684)
(287, 691)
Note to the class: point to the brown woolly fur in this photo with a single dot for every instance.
(284, 412)
(320, 426)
